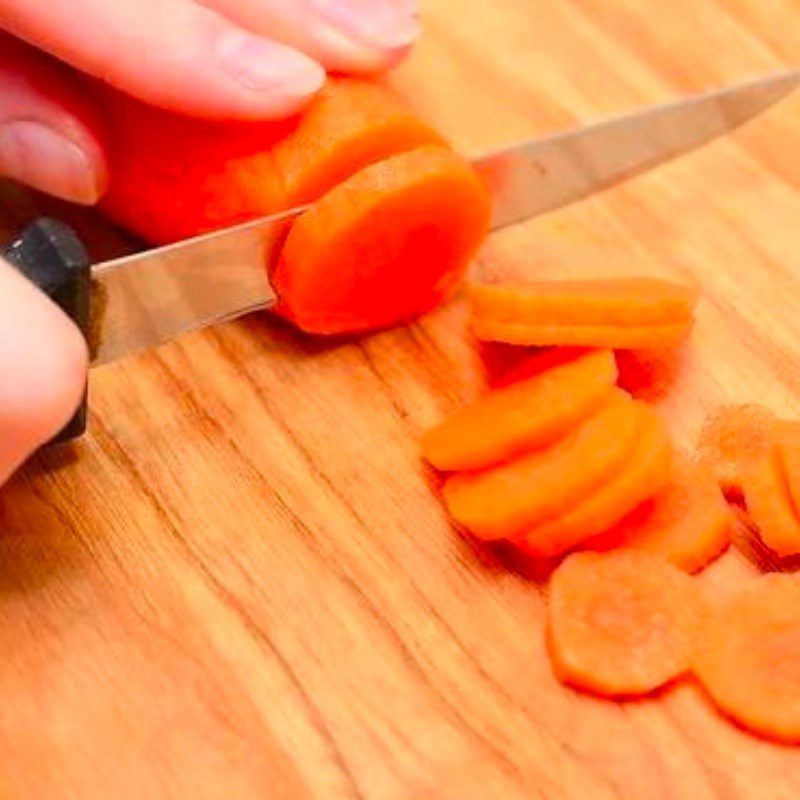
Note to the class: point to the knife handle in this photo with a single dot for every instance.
(50, 255)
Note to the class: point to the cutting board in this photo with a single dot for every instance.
(241, 585)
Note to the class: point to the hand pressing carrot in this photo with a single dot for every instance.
(621, 623)
(748, 657)
(522, 416)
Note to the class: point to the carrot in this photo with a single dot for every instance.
(522, 416)
(748, 657)
(769, 504)
(615, 337)
(508, 500)
(173, 177)
(646, 472)
(350, 124)
(733, 437)
(621, 623)
(687, 522)
(384, 246)
(787, 439)
(614, 302)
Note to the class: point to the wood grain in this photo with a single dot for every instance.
(241, 581)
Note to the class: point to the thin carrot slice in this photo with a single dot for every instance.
(769, 504)
(647, 471)
(748, 657)
(731, 439)
(349, 125)
(688, 522)
(522, 416)
(621, 623)
(386, 245)
(508, 500)
(172, 177)
(787, 439)
(615, 337)
(614, 302)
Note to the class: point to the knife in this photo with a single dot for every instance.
(143, 300)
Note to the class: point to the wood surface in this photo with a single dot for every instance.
(241, 585)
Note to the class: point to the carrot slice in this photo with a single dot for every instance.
(787, 438)
(173, 177)
(349, 125)
(732, 438)
(614, 302)
(647, 471)
(621, 623)
(748, 657)
(522, 416)
(688, 522)
(615, 337)
(508, 500)
(769, 504)
(384, 246)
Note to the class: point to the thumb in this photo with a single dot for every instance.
(43, 363)
(48, 133)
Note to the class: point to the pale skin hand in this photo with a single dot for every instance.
(232, 59)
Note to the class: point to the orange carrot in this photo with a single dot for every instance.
(508, 500)
(769, 504)
(614, 302)
(615, 337)
(384, 246)
(621, 623)
(646, 472)
(348, 126)
(688, 522)
(787, 440)
(748, 657)
(173, 177)
(522, 416)
(733, 437)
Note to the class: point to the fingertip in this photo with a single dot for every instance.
(43, 361)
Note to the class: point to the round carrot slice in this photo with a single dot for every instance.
(615, 337)
(522, 416)
(613, 302)
(508, 500)
(748, 657)
(621, 623)
(386, 245)
(647, 471)
(688, 522)
(349, 125)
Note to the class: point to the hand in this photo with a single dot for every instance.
(234, 59)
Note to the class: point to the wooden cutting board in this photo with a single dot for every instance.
(240, 585)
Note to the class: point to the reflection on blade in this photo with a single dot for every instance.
(149, 298)
(530, 179)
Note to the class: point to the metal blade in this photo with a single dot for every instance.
(147, 299)
(532, 178)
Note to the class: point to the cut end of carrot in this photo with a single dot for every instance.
(688, 522)
(385, 246)
(523, 416)
(731, 439)
(748, 657)
(621, 623)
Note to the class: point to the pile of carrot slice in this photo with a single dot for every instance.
(556, 459)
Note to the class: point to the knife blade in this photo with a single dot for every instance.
(151, 297)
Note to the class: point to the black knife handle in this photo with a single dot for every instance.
(50, 254)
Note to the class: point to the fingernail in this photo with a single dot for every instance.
(389, 24)
(41, 157)
(265, 66)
